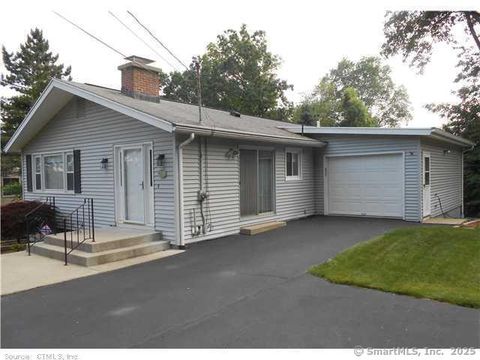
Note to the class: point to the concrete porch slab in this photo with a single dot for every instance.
(20, 272)
(444, 221)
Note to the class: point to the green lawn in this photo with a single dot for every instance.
(441, 263)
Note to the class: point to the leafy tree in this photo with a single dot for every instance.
(464, 120)
(238, 73)
(413, 36)
(387, 103)
(28, 72)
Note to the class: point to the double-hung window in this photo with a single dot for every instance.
(54, 171)
(293, 164)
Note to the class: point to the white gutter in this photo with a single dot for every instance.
(181, 242)
(434, 133)
(447, 136)
(241, 135)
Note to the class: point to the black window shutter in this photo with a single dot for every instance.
(77, 184)
(28, 159)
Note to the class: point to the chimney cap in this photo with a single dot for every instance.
(139, 62)
(139, 59)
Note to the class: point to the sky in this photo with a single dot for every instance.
(309, 36)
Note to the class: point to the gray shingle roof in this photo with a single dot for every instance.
(181, 114)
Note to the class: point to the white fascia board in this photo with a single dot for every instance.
(243, 135)
(433, 133)
(27, 119)
(113, 105)
(358, 131)
(445, 136)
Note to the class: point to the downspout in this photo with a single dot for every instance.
(181, 243)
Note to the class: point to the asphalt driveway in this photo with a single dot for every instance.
(238, 291)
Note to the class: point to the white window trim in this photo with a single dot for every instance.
(44, 190)
(34, 172)
(299, 152)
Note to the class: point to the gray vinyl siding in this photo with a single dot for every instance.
(354, 144)
(293, 199)
(445, 178)
(95, 130)
(318, 189)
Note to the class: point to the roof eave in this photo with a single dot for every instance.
(233, 134)
(445, 136)
(11, 143)
(432, 133)
(11, 146)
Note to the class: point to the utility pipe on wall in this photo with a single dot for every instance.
(180, 186)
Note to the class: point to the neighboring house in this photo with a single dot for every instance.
(12, 177)
(148, 162)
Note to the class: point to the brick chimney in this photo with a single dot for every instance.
(139, 79)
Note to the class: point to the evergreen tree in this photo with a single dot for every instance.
(354, 112)
(28, 72)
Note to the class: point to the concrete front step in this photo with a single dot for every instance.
(103, 243)
(260, 228)
(96, 258)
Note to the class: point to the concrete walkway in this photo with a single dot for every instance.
(444, 221)
(21, 272)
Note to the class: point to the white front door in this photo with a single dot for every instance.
(134, 188)
(427, 206)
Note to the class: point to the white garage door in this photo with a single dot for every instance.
(365, 185)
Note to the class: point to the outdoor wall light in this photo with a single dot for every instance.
(161, 160)
(446, 151)
(104, 163)
(232, 153)
(161, 164)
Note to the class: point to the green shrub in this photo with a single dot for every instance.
(17, 247)
(13, 189)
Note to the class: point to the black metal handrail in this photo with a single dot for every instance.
(40, 222)
(76, 223)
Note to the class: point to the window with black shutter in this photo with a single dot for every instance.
(59, 171)
(76, 172)
(28, 160)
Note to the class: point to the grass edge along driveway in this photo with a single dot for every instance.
(440, 263)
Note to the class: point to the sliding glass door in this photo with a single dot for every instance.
(256, 181)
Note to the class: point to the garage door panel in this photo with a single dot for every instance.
(366, 185)
(354, 208)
